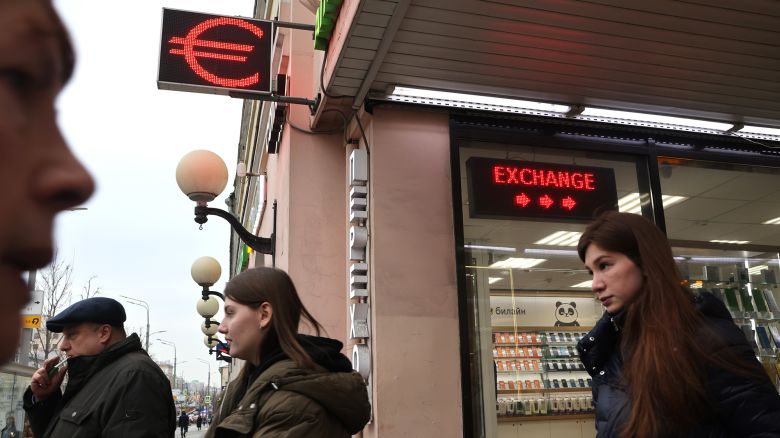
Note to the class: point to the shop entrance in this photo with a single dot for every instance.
(531, 294)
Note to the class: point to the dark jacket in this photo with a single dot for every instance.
(741, 406)
(184, 420)
(119, 393)
(280, 399)
(9, 432)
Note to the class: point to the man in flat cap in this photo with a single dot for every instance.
(114, 389)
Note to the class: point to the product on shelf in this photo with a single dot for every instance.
(711, 273)
(747, 302)
(769, 276)
(731, 299)
(760, 301)
(775, 334)
(742, 276)
(770, 300)
(763, 337)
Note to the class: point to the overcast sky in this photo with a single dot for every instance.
(138, 236)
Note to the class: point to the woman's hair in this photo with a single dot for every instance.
(662, 360)
(256, 286)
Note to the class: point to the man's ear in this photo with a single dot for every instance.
(266, 313)
(104, 333)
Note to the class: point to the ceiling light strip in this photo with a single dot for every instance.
(585, 284)
(464, 100)
(491, 248)
(502, 104)
(656, 120)
(733, 242)
(759, 131)
(551, 237)
(517, 263)
(756, 270)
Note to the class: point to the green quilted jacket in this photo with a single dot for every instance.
(288, 401)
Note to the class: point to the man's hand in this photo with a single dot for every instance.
(42, 387)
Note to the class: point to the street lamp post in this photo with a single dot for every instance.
(158, 331)
(145, 305)
(202, 176)
(208, 380)
(206, 271)
(174, 358)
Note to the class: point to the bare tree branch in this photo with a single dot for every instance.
(56, 287)
(87, 289)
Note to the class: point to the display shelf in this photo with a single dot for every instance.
(729, 283)
(542, 328)
(752, 300)
(544, 358)
(539, 417)
(542, 390)
(519, 391)
(518, 344)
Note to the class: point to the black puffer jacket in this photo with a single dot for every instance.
(742, 407)
(120, 392)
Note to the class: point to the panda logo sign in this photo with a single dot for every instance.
(566, 314)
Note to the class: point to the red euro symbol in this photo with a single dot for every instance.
(191, 55)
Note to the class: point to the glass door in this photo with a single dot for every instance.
(528, 293)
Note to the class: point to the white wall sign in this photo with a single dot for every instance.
(35, 306)
(359, 240)
(544, 311)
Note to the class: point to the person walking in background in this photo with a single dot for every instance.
(39, 174)
(665, 362)
(9, 431)
(292, 385)
(184, 423)
(199, 421)
(114, 389)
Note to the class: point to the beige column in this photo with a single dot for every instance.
(413, 294)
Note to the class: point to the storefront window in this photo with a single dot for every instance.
(725, 232)
(13, 383)
(529, 292)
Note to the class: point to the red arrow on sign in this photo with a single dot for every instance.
(522, 199)
(568, 203)
(546, 201)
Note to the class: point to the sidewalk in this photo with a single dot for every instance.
(193, 432)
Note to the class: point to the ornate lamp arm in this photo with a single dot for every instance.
(263, 245)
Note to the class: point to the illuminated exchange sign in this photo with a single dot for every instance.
(522, 189)
(214, 54)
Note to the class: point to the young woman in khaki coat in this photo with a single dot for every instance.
(292, 385)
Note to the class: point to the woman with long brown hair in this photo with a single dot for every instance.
(665, 361)
(292, 385)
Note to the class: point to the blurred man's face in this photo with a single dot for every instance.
(39, 176)
(85, 339)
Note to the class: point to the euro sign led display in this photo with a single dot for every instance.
(508, 189)
(214, 54)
